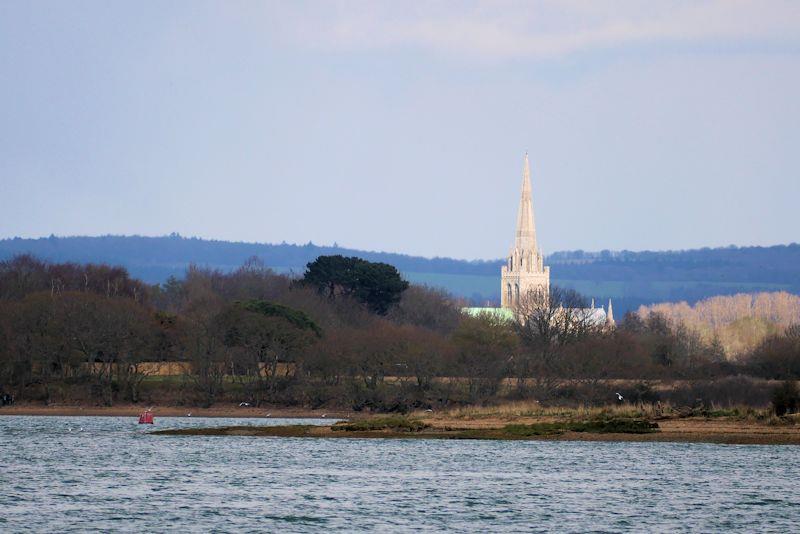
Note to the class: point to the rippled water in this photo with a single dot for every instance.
(108, 474)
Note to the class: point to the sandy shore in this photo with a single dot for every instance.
(132, 410)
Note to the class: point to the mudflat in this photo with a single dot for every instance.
(691, 430)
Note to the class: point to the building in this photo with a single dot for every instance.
(524, 272)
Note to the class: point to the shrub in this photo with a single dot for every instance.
(398, 424)
(724, 392)
(641, 392)
(786, 398)
(596, 426)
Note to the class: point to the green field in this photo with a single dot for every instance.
(488, 287)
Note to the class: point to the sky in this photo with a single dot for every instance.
(401, 126)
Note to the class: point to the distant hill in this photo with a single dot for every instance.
(630, 278)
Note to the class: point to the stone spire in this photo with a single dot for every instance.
(526, 229)
(610, 314)
(524, 271)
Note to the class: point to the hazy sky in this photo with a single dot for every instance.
(401, 126)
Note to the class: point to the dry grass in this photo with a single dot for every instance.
(532, 409)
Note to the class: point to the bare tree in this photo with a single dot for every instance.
(202, 342)
(546, 322)
(485, 348)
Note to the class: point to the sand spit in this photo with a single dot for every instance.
(690, 430)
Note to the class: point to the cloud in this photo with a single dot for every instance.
(533, 29)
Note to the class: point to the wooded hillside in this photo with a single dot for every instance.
(632, 279)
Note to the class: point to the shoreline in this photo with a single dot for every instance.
(132, 410)
(670, 434)
(718, 430)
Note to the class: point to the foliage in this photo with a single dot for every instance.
(257, 336)
(737, 323)
(397, 424)
(378, 285)
(597, 426)
(484, 346)
(296, 317)
(786, 398)
(631, 278)
(428, 307)
(777, 357)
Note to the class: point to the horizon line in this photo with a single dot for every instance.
(336, 245)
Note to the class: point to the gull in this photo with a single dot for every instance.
(270, 413)
(324, 415)
(619, 397)
(189, 414)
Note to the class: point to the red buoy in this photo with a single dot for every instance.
(146, 418)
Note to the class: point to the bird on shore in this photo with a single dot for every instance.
(270, 413)
(189, 414)
(619, 397)
(324, 415)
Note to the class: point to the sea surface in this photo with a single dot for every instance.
(108, 474)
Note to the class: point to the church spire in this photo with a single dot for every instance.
(526, 229)
(610, 314)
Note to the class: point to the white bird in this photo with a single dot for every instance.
(428, 410)
(324, 415)
(189, 414)
(619, 397)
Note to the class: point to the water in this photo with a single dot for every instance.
(108, 474)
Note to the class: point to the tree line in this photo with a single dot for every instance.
(739, 322)
(347, 333)
(631, 278)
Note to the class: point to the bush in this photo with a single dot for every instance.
(724, 392)
(597, 426)
(641, 392)
(398, 424)
(786, 398)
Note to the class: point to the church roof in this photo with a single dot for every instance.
(501, 313)
(596, 316)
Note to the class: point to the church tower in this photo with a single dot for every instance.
(524, 270)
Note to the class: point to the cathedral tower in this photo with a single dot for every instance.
(524, 271)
